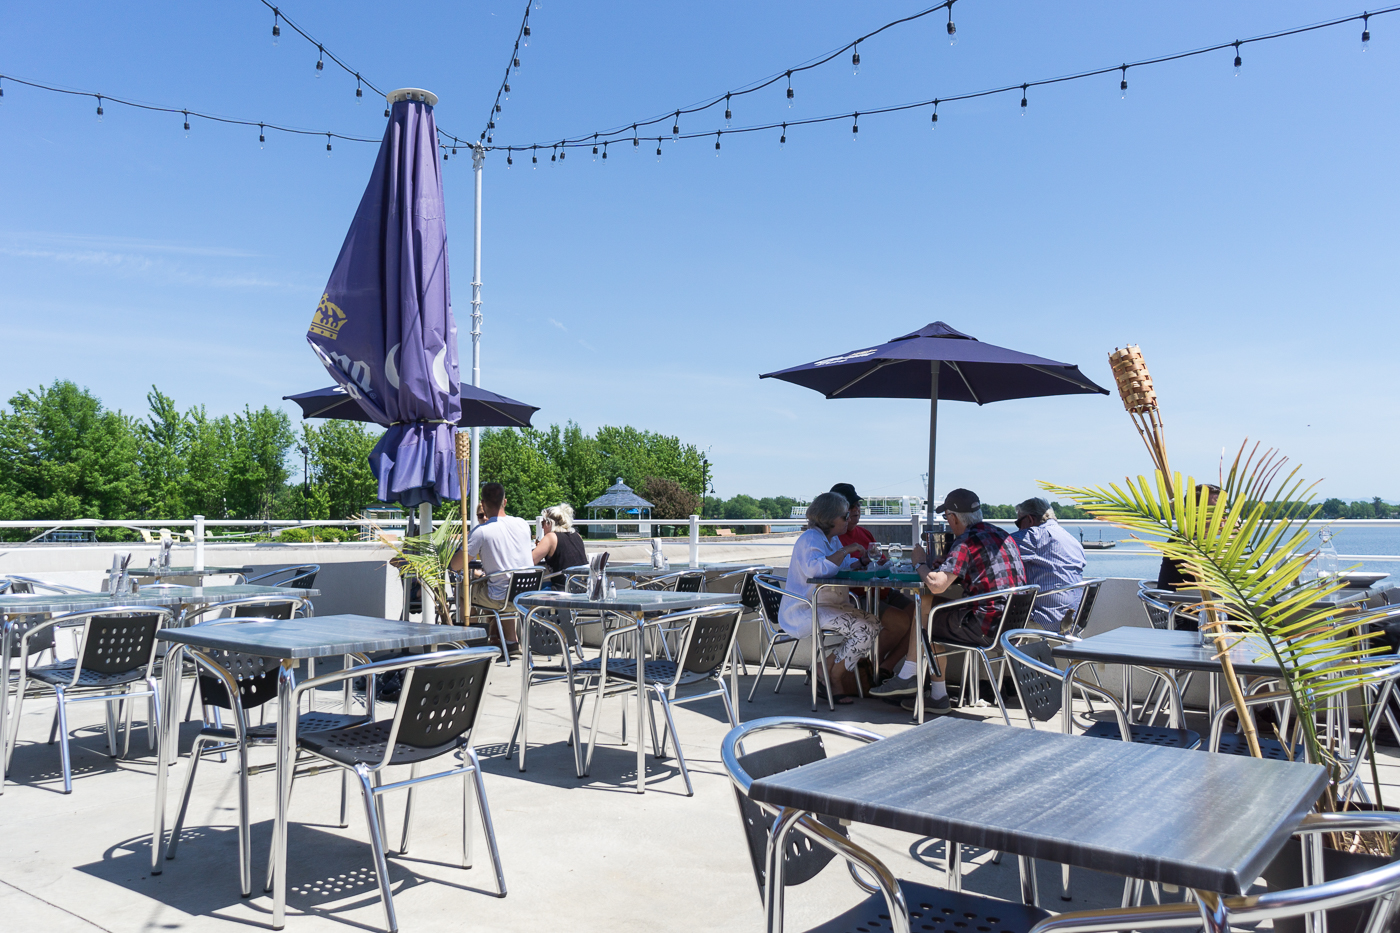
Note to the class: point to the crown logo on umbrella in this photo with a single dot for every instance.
(328, 319)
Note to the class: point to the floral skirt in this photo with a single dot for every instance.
(859, 629)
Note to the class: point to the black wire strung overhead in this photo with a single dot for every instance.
(1023, 87)
(262, 125)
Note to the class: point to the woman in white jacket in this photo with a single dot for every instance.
(817, 553)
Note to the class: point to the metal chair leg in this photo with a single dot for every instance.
(196, 753)
(466, 817)
(374, 820)
(680, 755)
(762, 664)
(63, 751)
(407, 811)
(486, 823)
(1064, 883)
(111, 727)
(952, 865)
(786, 664)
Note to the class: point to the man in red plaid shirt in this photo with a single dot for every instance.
(983, 558)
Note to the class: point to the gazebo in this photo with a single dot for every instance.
(621, 501)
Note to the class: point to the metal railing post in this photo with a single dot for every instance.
(694, 541)
(199, 542)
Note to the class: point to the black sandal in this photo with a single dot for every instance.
(840, 699)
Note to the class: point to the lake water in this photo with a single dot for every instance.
(1379, 543)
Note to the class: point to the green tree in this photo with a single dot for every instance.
(777, 506)
(62, 455)
(165, 441)
(743, 507)
(713, 507)
(669, 498)
(514, 459)
(635, 455)
(578, 461)
(258, 461)
(1333, 508)
(338, 462)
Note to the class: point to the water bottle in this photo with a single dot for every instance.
(1328, 563)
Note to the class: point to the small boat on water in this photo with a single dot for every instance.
(1099, 545)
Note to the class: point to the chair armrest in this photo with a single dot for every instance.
(732, 745)
(971, 600)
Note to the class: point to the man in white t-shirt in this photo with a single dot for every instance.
(502, 542)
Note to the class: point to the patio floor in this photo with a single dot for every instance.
(588, 853)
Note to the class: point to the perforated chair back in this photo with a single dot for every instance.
(544, 641)
(1086, 605)
(1041, 694)
(268, 610)
(692, 582)
(118, 644)
(1157, 611)
(439, 703)
(748, 594)
(707, 646)
(43, 641)
(802, 860)
(524, 581)
(255, 677)
(770, 598)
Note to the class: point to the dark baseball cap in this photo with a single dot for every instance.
(849, 491)
(960, 500)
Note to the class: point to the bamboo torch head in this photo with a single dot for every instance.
(464, 445)
(1134, 381)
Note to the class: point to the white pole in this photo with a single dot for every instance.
(694, 541)
(199, 542)
(478, 162)
(425, 518)
(932, 437)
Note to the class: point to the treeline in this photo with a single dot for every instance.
(1376, 508)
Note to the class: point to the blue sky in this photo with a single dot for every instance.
(1242, 230)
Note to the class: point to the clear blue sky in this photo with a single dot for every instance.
(1241, 229)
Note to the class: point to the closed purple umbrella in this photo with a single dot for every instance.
(384, 327)
(938, 362)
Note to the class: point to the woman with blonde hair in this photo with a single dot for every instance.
(559, 547)
(818, 553)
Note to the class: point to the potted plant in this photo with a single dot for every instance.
(427, 559)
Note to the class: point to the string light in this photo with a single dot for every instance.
(509, 159)
(789, 94)
(276, 29)
(99, 108)
(595, 147)
(635, 141)
(933, 124)
(952, 28)
(1365, 31)
(782, 140)
(605, 152)
(359, 92)
(320, 60)
(675, 129)
(187, 123)
(328, 145)
(506, 88)
(554, 155)
(1123, 83)
(728, 114)
(855, 128)
(262, 139)
(855, 60)
(1023, 99)
(717, 135)
(503, 91)
(658, 148)
(1238, 61)
(526, 31)
(562, 151)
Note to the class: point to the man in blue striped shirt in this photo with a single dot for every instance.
(1052, 558)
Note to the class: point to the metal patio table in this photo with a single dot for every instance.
(634, 605)
(290, 641)
(187, 572)
(915, 587)
(1207, 822)
(200, 595)
(1338, 600)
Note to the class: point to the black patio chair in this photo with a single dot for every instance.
(302, 576)
(1016, 604)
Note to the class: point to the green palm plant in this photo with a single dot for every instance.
(428, 558)
(1246, 553)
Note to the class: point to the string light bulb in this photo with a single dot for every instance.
(605, 152)
(276, 29)
(510, 160)
(728, 114)
(1238, 61)
(563, 150)
(187, 123)
(320, 60)
(933, 124)
(855, 60)
(554, 155)
(534, 159)
(1123, 82)
(789, 91)
(855, 127)
(782, 140)
(359, 92)
(676, 128)
(526, 32)
(595, 147)
(262, 137)
(506, 87)
(717, 136)
(658, 148)
(328, 145)
(1365, 31)
(388, 113)
(1023, 99)
(952, 27)
(99, 108)
(515, 63)
(635, 141)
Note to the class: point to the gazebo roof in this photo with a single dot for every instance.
(619, 496)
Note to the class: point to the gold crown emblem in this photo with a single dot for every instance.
(328, 319)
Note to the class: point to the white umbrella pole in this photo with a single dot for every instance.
(478, 162)
(932, 437)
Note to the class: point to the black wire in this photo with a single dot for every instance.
(611, 135)
(514, 56)
(751, 88)
(108, 98)
(321, 47)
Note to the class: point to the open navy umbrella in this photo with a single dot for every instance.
(938, 362)
(480, 408)
(384, 327)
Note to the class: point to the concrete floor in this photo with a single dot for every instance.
(589, 855)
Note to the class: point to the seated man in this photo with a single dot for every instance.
(983, 558)
(502, 542)
(1053, 558)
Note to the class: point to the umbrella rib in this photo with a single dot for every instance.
(502, 412)
(963, 376)
(1058, 375)
(869, 372)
